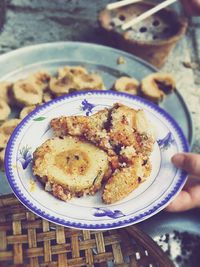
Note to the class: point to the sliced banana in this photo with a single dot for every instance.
(6, 130)
(40, 79)
(89, 82)
(74, 70)
(5, 88)
(2, 156)
(157, 85)
(4, 110)
(62, 85)
(26, 110)
(127, 85)
(26, 93)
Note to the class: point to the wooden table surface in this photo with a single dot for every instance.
(34, 21)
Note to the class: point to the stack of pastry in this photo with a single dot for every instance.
(109, 149)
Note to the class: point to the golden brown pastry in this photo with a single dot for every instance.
(91, 128)
(5, 88)
(89, 82)
(40, 79)
(26, 93)
(126, 131)
(26, 110)
(124, 180)
(70, 167)
(4, 110)
(6, 130)
(127, 85)
(63, 85)
(157, 85)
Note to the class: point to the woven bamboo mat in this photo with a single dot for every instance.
(28, 240)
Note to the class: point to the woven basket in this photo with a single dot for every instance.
(28, 240)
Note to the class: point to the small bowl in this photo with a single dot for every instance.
(151, 39)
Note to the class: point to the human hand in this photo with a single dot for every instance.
(192, 7)
(189, 197)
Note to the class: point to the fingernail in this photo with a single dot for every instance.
(178, 160)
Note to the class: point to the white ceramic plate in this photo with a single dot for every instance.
(89, 212)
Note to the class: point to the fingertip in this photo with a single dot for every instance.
(173, 206)
(178, 159)
(189, 162)
(181, 203)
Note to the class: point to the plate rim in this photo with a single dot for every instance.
(125, 222)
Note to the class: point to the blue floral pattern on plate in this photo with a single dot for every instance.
(87, 107)
(25, 156)
(102, 212)
(166, 142)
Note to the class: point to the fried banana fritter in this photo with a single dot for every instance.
(123, 181)
(26, 93)
(4, 110)
(127, 137)
(5, 89)
(26, 110)
(156, 86)
(40, 79)
(91, 128)
(6, 130)
(70, 167)
(127, 85)
(130, 128)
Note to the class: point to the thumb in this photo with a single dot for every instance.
(189, 162)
